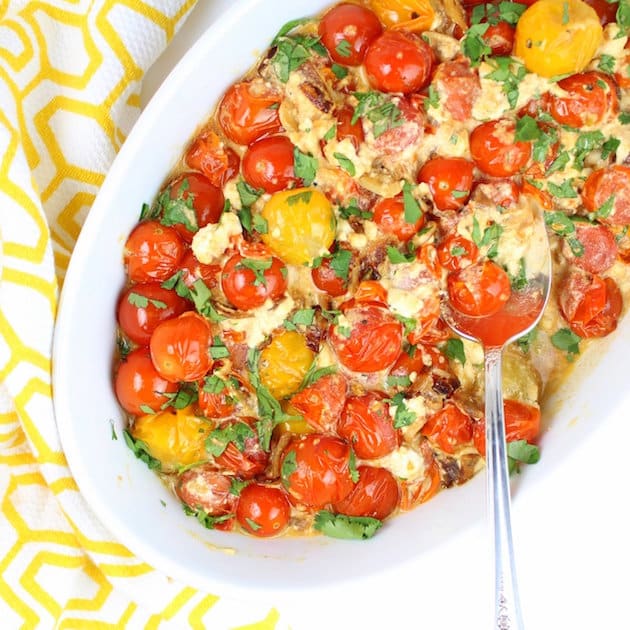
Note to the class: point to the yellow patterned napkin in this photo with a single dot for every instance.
(70, 73)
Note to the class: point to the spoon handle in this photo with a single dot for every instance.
(507, 608)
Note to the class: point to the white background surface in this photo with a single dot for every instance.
(571, 533)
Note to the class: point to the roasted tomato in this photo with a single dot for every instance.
(248, 282)
(456, 252)
(495, 150)
(347, 30)
(389, 215)
(235, 445)
(193, 270)
(152, 252)
(262, 510)
(607, 192)
(591, 304)
(322, 402)
(480, 289)
(139, 387)
(449, 181)
(599, 248)
(196, 190)
(367, 425)
(399, 62)
(218, 397)
(376, 494)
(347, 129)
(315, 469)
(179, 348)
(248, 111)
(458, 86)
(143, 306)
(268, 164)
(407, 15)
(208, 154)
(449, 428)
(370, 341)
(591, 98)
(332, 273)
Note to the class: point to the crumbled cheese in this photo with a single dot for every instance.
(213, 239)
(404, 462)
(408, 303)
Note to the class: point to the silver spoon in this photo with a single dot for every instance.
(520, 314)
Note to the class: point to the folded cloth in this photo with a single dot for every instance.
(70, 76)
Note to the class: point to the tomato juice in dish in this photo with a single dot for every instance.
(282, 359)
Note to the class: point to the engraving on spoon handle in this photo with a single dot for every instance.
(507, 609)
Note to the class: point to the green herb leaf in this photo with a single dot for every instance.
(237, 485)
(304, 166)
(346, 527)
(345, 163)
(149, 212)
(123, 346)
(624, 118)
(301, 317)
(352, 209)
(341, 72)
(202, 299)
(565, 339)
(564, 191)
(329, 135)
(207, 520)
(214, 384)
(186, 395)
(141, 301)
(527, 129)
(289, 466)
(623, 16)
(606, 64)
(290, 54)
(248, 194)
(352, 466)
(141, 450)
(490, 239)
(559, 163)
(236, 433)
(314, 373)
(397, 257)
(454, 349)
(586, 142)
(412, 209)
(340, 263)
(258, 266)
(510, 73)
(609, 147)
(379, 109)
(473, 44)
(519, 282)
(510, 12)
(433, 98)
(302, 197)
(403, 416)
(525, 342)
(521, 452)
(288, 27)
(565, 12)
(218, 350)
(398, 381)
(344, 48)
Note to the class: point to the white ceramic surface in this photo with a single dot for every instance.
(426, 568)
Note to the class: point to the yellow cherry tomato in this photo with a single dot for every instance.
(557, 37)
(411, 15)
(284, 363)
(174, 437)
(301, 224)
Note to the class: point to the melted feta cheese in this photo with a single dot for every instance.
(212, 240)
(404, 463)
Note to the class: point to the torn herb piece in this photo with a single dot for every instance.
(346, 527)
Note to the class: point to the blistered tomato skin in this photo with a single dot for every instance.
(449, 428)
(268, 164)
(326, 279)
(249, 461)
(347, 30)
(609, 186)
(450, 181)
(208, 154)
(263, 511)
(389, 215)
(321, 403)
(204, 488)
(495, 150)
(599, 248)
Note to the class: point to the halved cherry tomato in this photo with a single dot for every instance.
(600, 247)
(143, 306)
(449, 428)
(449, 181)
(152, 252)
(248, 282)
(219, 404)
(248, 462)
(495, 150)
(399, 62)
(345, 128)
(591, 304)
(315, 470)
(347, 30)
(262, 510)
(268, 164)
(248, 111)
(193, 270)
(322, 402)
(592, 98)
(207, 201)
(458, 86)
(480, 289)
(138, 385)
(179, 348)
(604, 185)
(370, 342)
(522, 422)
(367, 425)
(456, 252)
(389, 215)
(208, 154)
(376, 494)
(328, 278)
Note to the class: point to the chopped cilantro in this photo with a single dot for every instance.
(340, 263)
(565, 339)
(314, 373)
(510, 73)
(519, 282)
(341, 72)
(606, 208)
(379, 109)
(527, 129)
(559, 163)
(606, 64)
(247, 194)
(329, 135)
(346, 527)
(352, 466)
(220, 438)
(412, 209)
(609, 147)
(521, 452)
(352, 209)
(624, 118)
(292, 52)
(454, 349)
(563, 191)
(207, 520)
(288, 27)
(403, 416)
(586, 142)
(433, 98)
(305, 166)
(218, 350)
(214, 384)
(301, 317)
(202, 299)
(289, 466)
(141, 301)
(474, 46)
(258, 266)
(397, 257)
(345, 163)
(237, 485)
(141, 450)
(525, 342)
(302, 197)
(398, 380)
(184, 396)
(343, 48)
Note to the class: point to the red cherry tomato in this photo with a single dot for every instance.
(449, 180)
(591, 304)
(456, 252)
(262, 510)
(322, 402)
(345, 128)
(399, 62)
(248, 111)
(376, 494)
(449, 428)
(413, 117)
(152, 252)
(480, 289)
(459, 87)
(371, 342)
(495, 150)
(203, 488)
(208, 154)
(138, 385)
(217, 405)
(207, 200)
(325, 278)
(179, 348)
(192, 270)
(604, 184)
(607, 11)
(347, 30)
(522, 422)
(315, 470)
(143, 306)
(248, 462)
(248, 282)
(500, 37)
(592, 98)
(268, 164)
(389, 215)
(600, 248)
(410, 362)
(367, 425)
